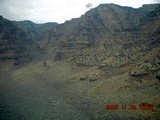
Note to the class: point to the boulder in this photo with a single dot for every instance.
(93, 79)
(138, 72)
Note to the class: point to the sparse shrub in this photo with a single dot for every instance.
(158, 77)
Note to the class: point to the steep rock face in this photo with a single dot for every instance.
(105, 19)
(109, 34)
(19, 40)
(34, 31)
(11, 46)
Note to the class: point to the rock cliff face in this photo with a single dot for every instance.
(18, 40)
(11, 43)
(108, 34)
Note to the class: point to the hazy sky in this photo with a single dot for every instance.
(40, 11)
